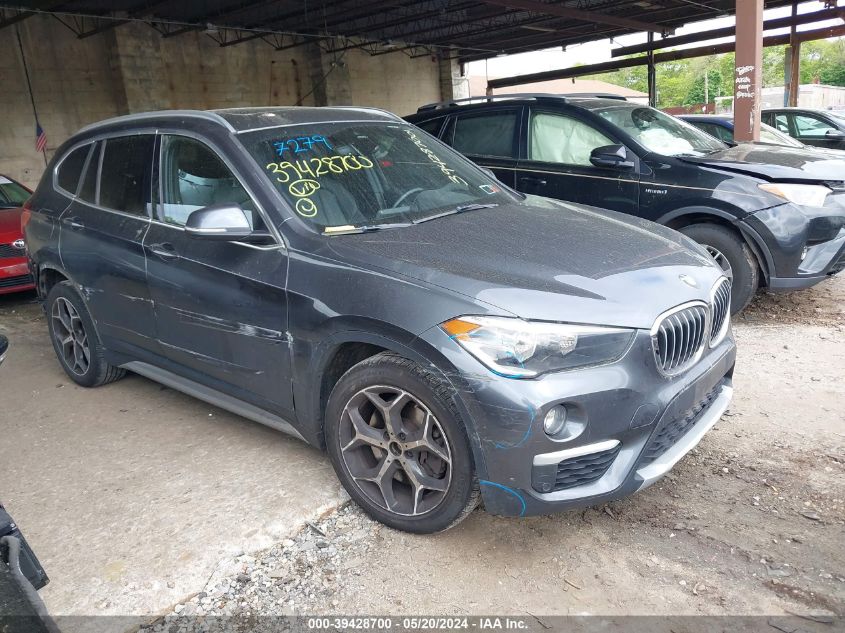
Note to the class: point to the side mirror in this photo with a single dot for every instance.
(611, 156)
(834, 135)
(223, 221)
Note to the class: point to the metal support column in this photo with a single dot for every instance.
(792, 61)
(652, 74)
(748, 74)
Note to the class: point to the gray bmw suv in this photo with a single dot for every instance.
(339, 274)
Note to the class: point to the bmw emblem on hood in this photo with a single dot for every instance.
(18, 244)
(688, 280)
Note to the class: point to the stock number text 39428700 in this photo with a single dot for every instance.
(302, 177)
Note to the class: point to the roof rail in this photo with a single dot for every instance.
(595, 95)
(524, 95)
(143, 116)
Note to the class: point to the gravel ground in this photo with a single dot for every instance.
(752, 522)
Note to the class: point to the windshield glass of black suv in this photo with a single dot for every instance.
(660, 132)
(346, 175)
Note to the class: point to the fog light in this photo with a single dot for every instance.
(555, 420)
(804, 253)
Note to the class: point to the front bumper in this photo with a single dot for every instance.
(15, 276)
(638, 425)
(820, 262)
(801, 248)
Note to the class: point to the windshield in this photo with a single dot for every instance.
(659, 132)
(768, 134)
(352, 174)
(12, 193)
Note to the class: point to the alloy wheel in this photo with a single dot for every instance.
(71, 337)
(720, 258)
(395, 450)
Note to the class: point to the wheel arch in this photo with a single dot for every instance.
(341, 351)
(680, 218)
(48, 276)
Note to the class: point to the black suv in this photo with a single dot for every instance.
(821, 128)
(340, 275)
(772, 210)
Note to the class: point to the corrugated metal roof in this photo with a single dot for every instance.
(466, 29)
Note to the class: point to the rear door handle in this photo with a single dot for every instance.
(532, 180)
(73, 223)
(164, 251)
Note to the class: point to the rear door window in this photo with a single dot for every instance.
(70, 169)
(780, 122)
(488, 134)
(125, 173)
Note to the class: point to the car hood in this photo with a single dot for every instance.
(545, 260)
(10, 223)
(774, 162)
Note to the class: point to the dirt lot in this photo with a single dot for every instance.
(752, 522)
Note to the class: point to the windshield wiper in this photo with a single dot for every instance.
(368, 228)
(364, 228)
(475, 206)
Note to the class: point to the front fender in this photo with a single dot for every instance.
(307, 392)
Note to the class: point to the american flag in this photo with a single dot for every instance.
(40, 138)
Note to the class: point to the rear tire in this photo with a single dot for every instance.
(734, 257)
(399, 447)
(75, 339)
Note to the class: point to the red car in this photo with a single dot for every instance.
(14, 272)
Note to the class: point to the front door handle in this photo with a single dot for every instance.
(532, 180)
(74, 223)
(164, 251)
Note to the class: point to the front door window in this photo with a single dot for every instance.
(193, 177)
(555, 138)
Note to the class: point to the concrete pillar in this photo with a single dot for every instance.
(748, 74)
(329, 76)
(138, 63)
(453, 85)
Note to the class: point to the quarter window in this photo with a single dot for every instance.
(555, 138)
(193, 177)
(486, 134)
(124, 175)
(432, 126)
(70, 169)
(88, 192)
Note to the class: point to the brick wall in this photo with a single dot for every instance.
(131, 68)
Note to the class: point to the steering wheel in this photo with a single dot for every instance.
(410, 192)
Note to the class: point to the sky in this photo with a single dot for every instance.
(599, 51)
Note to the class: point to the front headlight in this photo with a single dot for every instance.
(804, 195)
(523, 349)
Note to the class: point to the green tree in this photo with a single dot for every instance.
(711, 68)
(682, 82)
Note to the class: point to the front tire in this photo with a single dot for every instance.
(734, 257)
(399, 447)
(75, 340)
